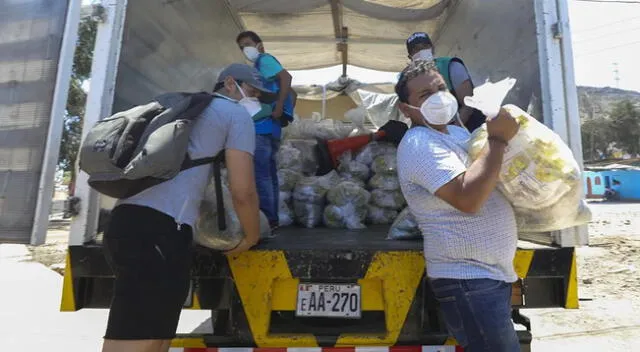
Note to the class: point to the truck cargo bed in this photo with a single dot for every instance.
(322, 238)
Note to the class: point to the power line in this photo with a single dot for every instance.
(613, 1)
(607, 48)
(605, 25)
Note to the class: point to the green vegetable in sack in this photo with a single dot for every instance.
(348, 193)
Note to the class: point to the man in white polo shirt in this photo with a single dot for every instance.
(469, 228)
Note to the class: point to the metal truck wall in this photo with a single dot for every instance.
(172, 46)
(31, 33)
(495, 39)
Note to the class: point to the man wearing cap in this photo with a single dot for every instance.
(269, 121)
(149, 239)
(454, 72)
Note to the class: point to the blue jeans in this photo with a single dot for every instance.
(477, 313)
(264, 161)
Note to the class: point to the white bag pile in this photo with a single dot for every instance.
(287, 180)
(207, 232)
(404, 227)
(347, 206)
(386, 196)
(309, 198)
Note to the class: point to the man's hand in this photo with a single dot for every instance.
(277, 112)
(503, 127)
(243, 246)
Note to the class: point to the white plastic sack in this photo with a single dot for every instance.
(348, 193)
(380, 216)
(308, 161)
(489, 97)
(357, 116)
(388, 199)
(285, 214)
(287, 179)
(316, 127)
(309, 198)
(385, 164)
(385, 182)
(374, 150)
(404, 227)
(289, 158)
(353, 168)
(346, 216)
(206, 231)
(538, 172)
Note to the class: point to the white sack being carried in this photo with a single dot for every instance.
(380, 216)
(538, 173)
(309, 198)
(348, 206)
(206, 231)
(404, 227)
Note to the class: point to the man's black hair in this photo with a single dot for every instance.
(414, 69)
(249, 34)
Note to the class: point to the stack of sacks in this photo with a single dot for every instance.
(207, 232)
(386, 196)
(353, 170)
(405, 227)
(287, 179)
(539, 176)
(309, 198)
(347, 206)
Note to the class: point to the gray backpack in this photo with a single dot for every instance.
(144, 146)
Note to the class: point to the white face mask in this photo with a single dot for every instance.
(424, 54)
(251, 53)
(251, 104)
(439, 109)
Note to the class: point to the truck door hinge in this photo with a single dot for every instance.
(556, 29)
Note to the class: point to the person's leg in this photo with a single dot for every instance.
(264, 180)
(275, 146)
(478, 313)
(151, 261)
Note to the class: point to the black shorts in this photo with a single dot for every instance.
(151, 260)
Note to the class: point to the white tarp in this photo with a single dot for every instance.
(301, 33)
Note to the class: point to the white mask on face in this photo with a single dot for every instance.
(424, 54)
(439, 109)
(251, 104)
(251, 53)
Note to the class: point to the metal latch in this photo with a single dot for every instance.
(556, 29)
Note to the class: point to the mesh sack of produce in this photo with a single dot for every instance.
(308, 161)
(289, 157)
(309, 198)
(404, 227)
(348, 216)
(351, 178)
(385, 164)
(380, 216)
(352, 167)
(388, 199)
(287, 197)
(206, 231)
(287, 179)
(285, 214)
(385, 182)
(538, 168)
(348, 193)
(373, 150)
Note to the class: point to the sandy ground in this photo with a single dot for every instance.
(609, 286)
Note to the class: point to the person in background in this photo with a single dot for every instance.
(455, 74)
(269, 121)
(148, 243)
(469, 227)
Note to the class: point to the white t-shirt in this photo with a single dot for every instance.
(223, 125)
(456, 245)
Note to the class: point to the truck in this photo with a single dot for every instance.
(147, 47)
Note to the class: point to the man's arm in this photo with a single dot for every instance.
(285, 87)
(469, 191)
(242, 185)
(461, 81)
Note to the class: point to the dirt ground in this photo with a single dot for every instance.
(609, 285)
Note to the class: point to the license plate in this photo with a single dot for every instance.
(329, 301)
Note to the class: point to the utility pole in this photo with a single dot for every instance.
(616, 74)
